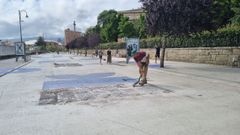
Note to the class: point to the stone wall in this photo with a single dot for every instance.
(214, 55)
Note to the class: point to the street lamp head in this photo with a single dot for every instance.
(23, 11)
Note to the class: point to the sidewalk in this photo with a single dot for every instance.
(91, 99)
(208, 71)
(214, 72)
(8, 65)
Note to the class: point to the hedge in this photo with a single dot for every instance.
(224, 37)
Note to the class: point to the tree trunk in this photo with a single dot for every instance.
(162, 54)
(162, 57)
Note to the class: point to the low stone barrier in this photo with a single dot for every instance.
(214, 55)
(207, 55)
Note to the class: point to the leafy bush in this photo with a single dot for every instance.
(112, 45)
(51, 48)
(228, 36)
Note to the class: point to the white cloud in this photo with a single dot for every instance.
(51, 17)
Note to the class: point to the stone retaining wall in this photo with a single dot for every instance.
(208, 55)
(216, 55)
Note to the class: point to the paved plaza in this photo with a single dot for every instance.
(75, 95)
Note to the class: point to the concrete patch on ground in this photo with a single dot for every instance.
(67, 64)
(94, 88)
(45, 61)
(88, 61)
(99, 95)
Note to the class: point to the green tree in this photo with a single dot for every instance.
(236, 9)
(52, 48)
(93, 36)
(140, 27)
(93, 39)
(91, 30)
(41, 43)
(108, 22)
(126, 28)
(80, 42)
(221, 12)
(178, 17)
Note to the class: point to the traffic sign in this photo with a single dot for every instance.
(19, 48)
(132, 45)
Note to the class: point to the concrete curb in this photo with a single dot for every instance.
(9, 71)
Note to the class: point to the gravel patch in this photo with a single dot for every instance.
(103, 94)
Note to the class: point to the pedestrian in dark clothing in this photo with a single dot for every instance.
(117, 51)
(109, 56)
(85, 52)
(100, 53)
(157, 54)
(96, 52)
(129, 53)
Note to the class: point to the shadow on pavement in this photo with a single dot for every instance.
(89, 80)
(26, 70)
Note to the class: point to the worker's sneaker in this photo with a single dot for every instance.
(142, 82)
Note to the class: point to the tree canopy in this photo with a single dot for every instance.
(140, 26)
(80, 42)
(236, 10)
(180, 17)
(177, 17)
(108, 21)
(93, 39)
(40, 41)
(126, 28)
(112, 25)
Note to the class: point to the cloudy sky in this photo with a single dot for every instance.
(51, 17)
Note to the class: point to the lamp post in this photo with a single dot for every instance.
(20, 27)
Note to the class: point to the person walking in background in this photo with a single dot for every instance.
(100, 53)
(142, 61)
(129, 53)
(85, 52)
(109, 56)
(157, 54)
(117, 51)
(96, 52)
